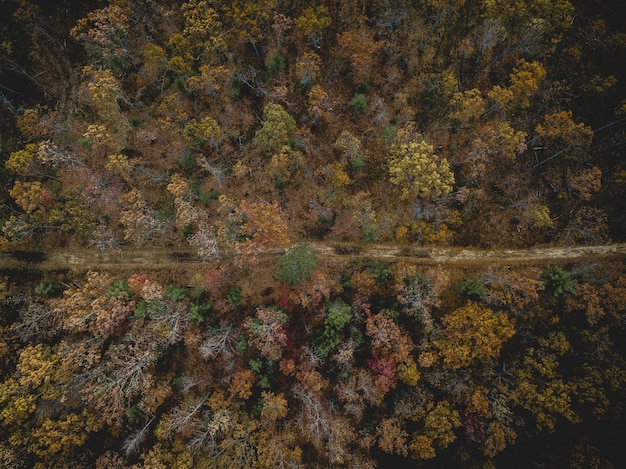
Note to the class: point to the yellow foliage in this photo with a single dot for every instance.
(473, 332)
(422, 447)
(539, 216)
(39, 368)
(318, 101)
(285, 163)
(467, 105)
(408, 373)
(525, 80)
(308, 66)
(57, 438)
(198, 132)
(419, 171)
(121, 165)
(313, 21)
(499, 436)
(20, 161)
(561, 125)
(32, 197)
(278, 126)
(16, 405)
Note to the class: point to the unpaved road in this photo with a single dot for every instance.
(330, 252)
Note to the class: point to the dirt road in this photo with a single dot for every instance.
(156, 259)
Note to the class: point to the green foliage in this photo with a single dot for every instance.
(136, 415)
(473, 288)
(276, 64)
(234, 297)
(206, 198)
(558, 281)
(358, 103)
(241, 346)
(356, 164)
(174, 293)
(49, 288)
(118, 287)
(380, 271)
(198, 312)
(256, 364)
(338, 316)
(188, 163)
(297, 265)
(389, 134)
(141, 310)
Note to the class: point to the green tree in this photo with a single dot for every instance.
(297, 265)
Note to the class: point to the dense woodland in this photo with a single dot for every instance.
(239, 132)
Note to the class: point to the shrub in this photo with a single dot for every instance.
(558, 281)
(473, 288)
(297, 265)
(49, 288)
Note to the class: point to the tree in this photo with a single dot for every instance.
(539, 386)
(21, 162)
(264, 227)
(312, 23)
(388, 339)
(202, 35)
(512, 289)
(197, 133)
(467, 106)
(392, 438)
(472, 333)
(278, 126)
(418, 171)
(439, 424)
(104, 33)
(139, 220)
(362, 52)
(297, 265)
(562, 136)
(266, 331)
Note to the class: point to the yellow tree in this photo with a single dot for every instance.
(525, 80)
(278, 126)
(418, 171)
(540, 387)
(21, 162)
(472, 333)
(312, 23)
(467, 106)
(202, 34)
(438, 432)
(560, 134)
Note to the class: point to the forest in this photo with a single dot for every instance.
(301, 165)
